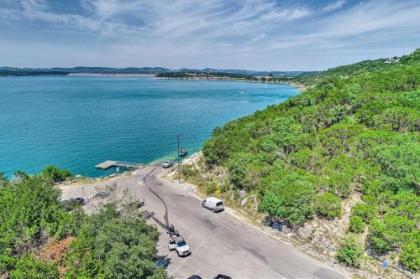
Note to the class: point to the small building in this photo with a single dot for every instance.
(392, 60)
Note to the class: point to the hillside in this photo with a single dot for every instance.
(349, 141)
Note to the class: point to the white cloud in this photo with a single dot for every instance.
(334, 6)
(258, 31)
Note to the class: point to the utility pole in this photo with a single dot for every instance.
(179, 165)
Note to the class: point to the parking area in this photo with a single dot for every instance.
(220, 243)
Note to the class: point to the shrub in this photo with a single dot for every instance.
(211, 187)
(349, 252)
(30, 268)
(388, 234)
(290, 199)
(356, 224)
(189, 171)
(410, 256)
(363, 211)
(238, 169)
(327, 205)
(56, 174)
(3, 179)
(29, 210)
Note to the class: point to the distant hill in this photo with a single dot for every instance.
(165, 72)
(8, 71)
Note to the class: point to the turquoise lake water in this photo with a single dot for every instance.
(78, 122)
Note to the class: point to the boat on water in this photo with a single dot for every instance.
(182, 152)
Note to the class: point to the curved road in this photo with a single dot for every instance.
(220, 243)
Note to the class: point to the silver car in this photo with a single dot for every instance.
(167, 164)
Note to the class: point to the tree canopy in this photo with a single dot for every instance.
(355, 129)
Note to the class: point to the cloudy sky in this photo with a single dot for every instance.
(248, 34)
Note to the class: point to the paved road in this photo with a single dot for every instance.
(220, 243)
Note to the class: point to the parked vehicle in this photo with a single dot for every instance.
(214, 204)
(222, 276)
(195, 277)
(182, 248)
(171, 231)
(162, 262)
(172, 243)
(167, 164)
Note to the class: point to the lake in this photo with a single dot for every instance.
(78, 122)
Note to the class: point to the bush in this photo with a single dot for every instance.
(30, 211)
(289, 199)
(327, 205)
(211, 187)
(388, 234)
(189, 171)
(30, 268)
(56, 174)
(3, 179)
(349, 252)
(238, 169)
(363, 211)
(410, 257)
(356, 224)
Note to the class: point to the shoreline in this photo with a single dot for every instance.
(294, 84)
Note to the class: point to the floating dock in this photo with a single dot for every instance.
(116, 164)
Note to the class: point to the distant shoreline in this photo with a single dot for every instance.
(110, 75)
(293, 83)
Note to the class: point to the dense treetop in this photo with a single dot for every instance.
(109, 244)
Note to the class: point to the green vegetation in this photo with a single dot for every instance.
(328, 205)
(109, 244)
(355, 129)
(205, 75)
(349, 252)
(56, 174)
(356, 224)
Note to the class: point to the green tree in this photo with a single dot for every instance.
(29, 211)
(289, 198)
(56, 174)
(113, 246)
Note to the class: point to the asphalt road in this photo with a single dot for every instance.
(220, 242)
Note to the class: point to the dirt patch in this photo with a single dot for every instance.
(55, 250)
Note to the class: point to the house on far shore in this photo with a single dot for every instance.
(392, 60)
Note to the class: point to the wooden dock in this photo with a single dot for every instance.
(116, 164)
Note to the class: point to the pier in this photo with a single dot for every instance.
(116, 164)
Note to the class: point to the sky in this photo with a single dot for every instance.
(226, 34)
